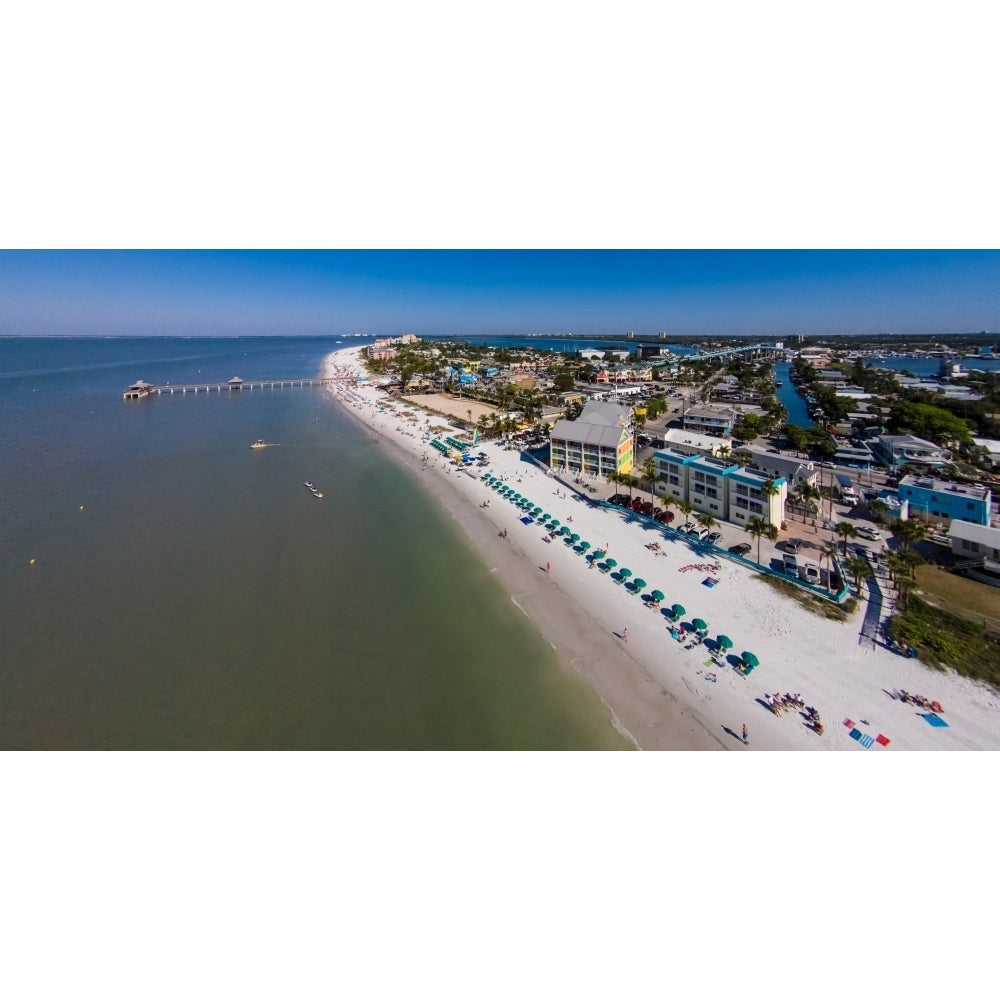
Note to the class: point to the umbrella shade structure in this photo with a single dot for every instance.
(678, 610)
(598, 553)
(749, 659)
(564, 530)
(584, 546)
(638, 583)
(611, 562)
(657, 595)
(555, 522)
(725, 642)
(625, 573)
(699, 625)
(536, 511)
(546, 517)
(574, 537)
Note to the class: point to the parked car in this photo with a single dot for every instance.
(792, 544)
(740, 550)
(715, 537)
(872, 534)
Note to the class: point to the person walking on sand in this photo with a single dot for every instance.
(746, 739)
(548, 567)
(624, 635)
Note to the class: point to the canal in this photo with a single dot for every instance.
(790, 399)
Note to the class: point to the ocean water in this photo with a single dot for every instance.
(164, 586)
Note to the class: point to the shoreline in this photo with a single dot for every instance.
(659, 694)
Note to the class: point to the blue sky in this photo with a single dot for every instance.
(155, 293)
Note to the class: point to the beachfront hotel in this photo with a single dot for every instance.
(600, 441)
(720, 487)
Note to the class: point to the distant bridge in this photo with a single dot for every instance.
(728, 353)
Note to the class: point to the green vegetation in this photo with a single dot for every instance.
(925, 421)
(958, 594)
(811, 602)
(942, 639)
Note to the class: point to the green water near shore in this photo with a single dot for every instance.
(203, 598)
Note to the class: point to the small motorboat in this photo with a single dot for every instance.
(259, 443)
(309, 486)
(317, 494)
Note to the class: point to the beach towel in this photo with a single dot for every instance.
(936, 721)
(849, 723)
(866, 741)
(855, 734)
(883, 740)
(709, 582)
(527, 520)
(711, 677)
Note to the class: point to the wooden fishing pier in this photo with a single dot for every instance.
(138, 390)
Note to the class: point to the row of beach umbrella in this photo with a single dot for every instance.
(573, 539)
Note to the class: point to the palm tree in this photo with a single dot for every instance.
(723, 451)
(909, 532)
(706, 521)
(860, 568)
(878, 508)
(685, 507)
(649, 473)
(911, 560)
(757, 526)
(904, 585)
(846, 531)
(827, 551)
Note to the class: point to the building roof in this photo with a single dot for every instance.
(605, 414)
(579, 432)
(980, 533)
(971, 490)
(691, 439)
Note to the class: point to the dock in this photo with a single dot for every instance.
(139, 390)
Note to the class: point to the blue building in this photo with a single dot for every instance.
(937, 498)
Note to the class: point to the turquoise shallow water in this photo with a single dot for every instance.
(203, 598)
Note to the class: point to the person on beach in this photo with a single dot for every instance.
(548, 567)
(624, 635)
(746, 739)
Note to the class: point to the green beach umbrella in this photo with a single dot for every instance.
(584, 546)
(545, 517)
(611, 562)
(725, 642)
(657, 595)
(638, 584)
(678, 610)
(625, 573)
(699, 625)
(574, 537)
(750, 660)
(598, 553)
(564, 530)
(536, 511)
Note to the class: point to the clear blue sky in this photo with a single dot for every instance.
(496, 292)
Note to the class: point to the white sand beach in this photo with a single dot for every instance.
(662, 694)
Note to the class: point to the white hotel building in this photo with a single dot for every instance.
(720, 487)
